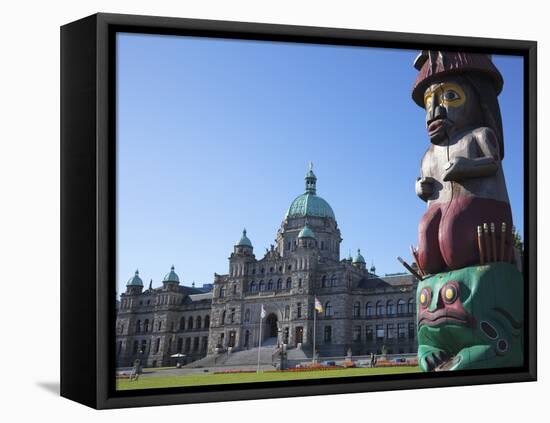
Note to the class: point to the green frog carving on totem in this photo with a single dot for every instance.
(471, 318)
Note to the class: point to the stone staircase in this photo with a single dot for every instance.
(243, 357)
(250, 356)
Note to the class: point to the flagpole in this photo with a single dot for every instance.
(314, 327)
(259, 344)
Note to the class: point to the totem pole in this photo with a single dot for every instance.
(470, 296)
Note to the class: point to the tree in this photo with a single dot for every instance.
(518, 243)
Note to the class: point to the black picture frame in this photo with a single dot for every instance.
(88, 201)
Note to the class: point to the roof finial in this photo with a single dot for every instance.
(311, 179)
(244, 231)
(137, 272)
(172, 268)
(151, 285)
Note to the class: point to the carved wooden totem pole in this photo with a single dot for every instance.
(470, 298)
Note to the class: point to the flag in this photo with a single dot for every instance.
(318, 305)
(262, 313)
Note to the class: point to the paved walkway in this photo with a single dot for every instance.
(206, 370)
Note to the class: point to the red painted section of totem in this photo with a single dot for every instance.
(447, 234)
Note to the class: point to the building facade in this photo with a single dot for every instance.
(155, 324)
(271, 299)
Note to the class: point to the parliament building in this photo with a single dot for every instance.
(362, 312)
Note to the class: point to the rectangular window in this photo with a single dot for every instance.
(299, 310)
(369, 333)
(391, 331)
(380, 333)
(328, 334)
(401, 330)
(412, 331)
(357, 334)
(232, 316)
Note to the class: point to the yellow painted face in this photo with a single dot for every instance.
(447, 94)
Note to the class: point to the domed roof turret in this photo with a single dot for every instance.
(135, 280)
(244, 241)
(306, 232)
(359, 258)
(309, 203)
(172, 276)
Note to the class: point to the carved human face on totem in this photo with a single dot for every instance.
(451, 107)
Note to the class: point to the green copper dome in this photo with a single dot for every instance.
(306, 232)
(244, 241)
(359, 258)
(309, 203)
(172, 276)
(135, 280)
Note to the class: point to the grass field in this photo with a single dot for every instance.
(218, 379)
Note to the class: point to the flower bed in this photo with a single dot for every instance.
(306, 369)
(225, 372)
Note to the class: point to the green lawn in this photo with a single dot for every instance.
(213, 379)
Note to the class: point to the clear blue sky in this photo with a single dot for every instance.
(215, 135)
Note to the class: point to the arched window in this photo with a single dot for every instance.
(234, 289)
(247, 315)
(288, 283)
(136, 346)
(182, 323)
(261, 286)
(252, 286)
(390, 307)
(270, 285)
(400, 306)
(146, 325)
(280, 284)
(157, 345)
(324, 281)
(138, 326)
(190, 323)
(198, 323)
(180, 345)
(223, 318)
(357, 309)
(206, 321)
(287, 311)
(379, 308)
(368, 309)
(333, 281)
(410, 306)
(328, 309)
